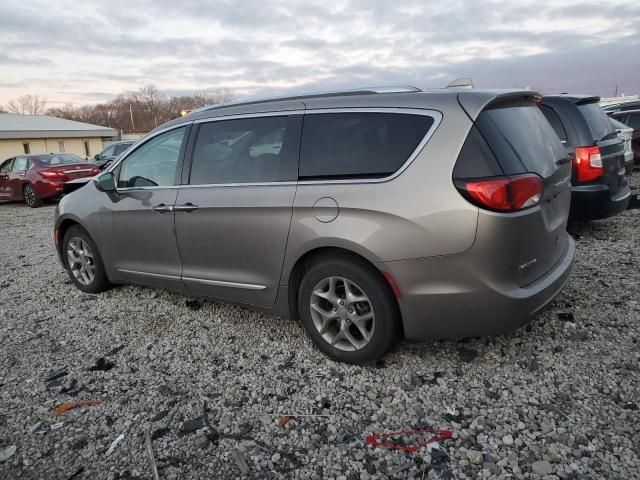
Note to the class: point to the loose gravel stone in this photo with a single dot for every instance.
(555, 399)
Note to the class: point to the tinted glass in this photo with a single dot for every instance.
(634, 121)
(597, 120)
(108, 152)
(476, 160)
(60, 159)
(120, 148)
(20, 164)
(521, 138)
(153, 164)
(246, 150)
(343, 145)
(6, 166)
(555, 121)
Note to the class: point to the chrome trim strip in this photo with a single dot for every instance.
(239, 116)
(220, 283)
(78, 170)
(148, 274)
(129, 189)
(254, 184)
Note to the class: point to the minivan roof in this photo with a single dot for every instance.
(473, 101)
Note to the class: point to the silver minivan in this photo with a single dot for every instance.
(370, 215)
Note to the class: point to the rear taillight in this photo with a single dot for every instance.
(503, 194)
(94, 171)
(51, 174)
(588, 162)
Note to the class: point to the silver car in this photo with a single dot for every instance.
(370, 215)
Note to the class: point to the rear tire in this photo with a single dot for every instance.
(83, 262)
(348, 310)
(30, 196)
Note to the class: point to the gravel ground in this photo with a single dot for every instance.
(556, 399)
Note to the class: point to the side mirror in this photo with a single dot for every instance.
(97, 156)
(106, 182)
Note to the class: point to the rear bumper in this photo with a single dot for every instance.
(48, 188)
(444, 297)
(591, 202)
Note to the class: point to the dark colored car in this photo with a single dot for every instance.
(37, 177)
(622, 107)
(111, 152)
(631, 118)
(599, 187)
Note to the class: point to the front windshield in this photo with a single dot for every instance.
(60, 159)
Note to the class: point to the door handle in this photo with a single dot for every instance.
(187, 207)
(162, 208)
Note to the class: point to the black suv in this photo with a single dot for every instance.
(599, 183)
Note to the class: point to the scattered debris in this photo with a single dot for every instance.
(102, 365)
(76, 473)
(114, 444)
(114, 351)
(160, 415)
(193, 304)
(284, 420)
(35, 427)
(579, 336)
(467, 355)
(69, 386)
(288, 363)
(7, 453)
(565, 316)
(152, 459)
(66, 406)
(439, 459)
(437, 435)
(158, 433)
(238, 457)
(191, 426)
(57, 425)
(55, 374)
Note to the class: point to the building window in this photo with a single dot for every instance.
(61, 146)
(26, 148)
(87, 148)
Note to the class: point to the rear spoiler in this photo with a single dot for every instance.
(474, 102)
(586, 100)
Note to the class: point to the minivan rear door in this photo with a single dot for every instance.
(521, 140)
(233, 216)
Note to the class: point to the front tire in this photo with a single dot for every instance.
(348, 310)
(83, 261)
(30, 196)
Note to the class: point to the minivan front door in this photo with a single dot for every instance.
(233, 219)
(137, 221)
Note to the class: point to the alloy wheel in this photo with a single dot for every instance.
(81, 262)
(342, 313)
(29, 195)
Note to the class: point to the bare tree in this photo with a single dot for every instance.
(28, 105)
(212, 96)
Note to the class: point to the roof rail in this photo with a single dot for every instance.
(334, 93)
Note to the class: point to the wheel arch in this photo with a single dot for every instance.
(316, 254)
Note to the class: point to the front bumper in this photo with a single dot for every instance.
(592, 202)
(442, 298)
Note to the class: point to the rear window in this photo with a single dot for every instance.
(60, 159)
(348, 145)
(521, 138)
(597, 120)
(554, 120)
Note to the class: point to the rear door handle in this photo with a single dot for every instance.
(162, 208)
(187, 207)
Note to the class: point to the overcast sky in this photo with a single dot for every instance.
(89, 51)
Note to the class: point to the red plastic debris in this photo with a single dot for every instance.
(376, 440)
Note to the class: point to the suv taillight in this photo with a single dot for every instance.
(588, 162)
(503, 194)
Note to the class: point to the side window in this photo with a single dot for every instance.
(154, 164)
(346, 145)
(555, 122)
(247, 150)
(633, 120)
(6, 166)
(20, 164)
(120, 148)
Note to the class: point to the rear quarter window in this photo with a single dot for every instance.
(521, 138)
(351, 145)
(598, 122)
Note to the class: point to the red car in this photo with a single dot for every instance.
(37, 177)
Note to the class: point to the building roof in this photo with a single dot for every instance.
(15, 125)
